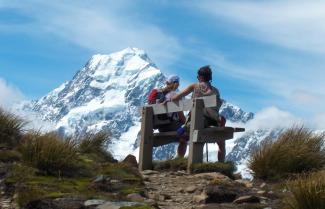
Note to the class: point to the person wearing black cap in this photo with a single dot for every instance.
(211, 115)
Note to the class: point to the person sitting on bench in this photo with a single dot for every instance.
(211, 114)
(173, 121)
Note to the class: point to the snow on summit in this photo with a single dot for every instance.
(105, 95)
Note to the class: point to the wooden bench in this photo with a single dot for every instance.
(198, 134)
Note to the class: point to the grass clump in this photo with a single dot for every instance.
(297, 150)
(307, 192)
(49, 153)
(11, 128)
(94, 146)
(172, 164)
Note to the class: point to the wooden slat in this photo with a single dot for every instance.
(211, 137)
(212, 134)
(182, 105)
(163, 138)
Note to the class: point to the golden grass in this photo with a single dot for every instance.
(49, 153)
(297, 150)
(307, 192)
(11, 127)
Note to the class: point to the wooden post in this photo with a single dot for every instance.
(197, 123)
(146, 145)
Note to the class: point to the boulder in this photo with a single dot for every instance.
(131, 160)
(247, 199)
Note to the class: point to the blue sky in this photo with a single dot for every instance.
(266, 55)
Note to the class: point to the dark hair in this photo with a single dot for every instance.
(205, 72)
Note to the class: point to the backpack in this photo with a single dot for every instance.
(156, 95)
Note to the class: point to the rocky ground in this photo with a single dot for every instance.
(179, 190)
(172, 190)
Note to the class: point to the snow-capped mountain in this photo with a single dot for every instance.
(106, 95)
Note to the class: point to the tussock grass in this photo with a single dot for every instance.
(94, 145)
(307, 192)
(173, 164)
(11, 127)
(49, 153)
(297, 150)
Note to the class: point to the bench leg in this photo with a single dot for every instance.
(195, 154)
(146, 144)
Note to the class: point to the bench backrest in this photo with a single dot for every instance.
(182, 105)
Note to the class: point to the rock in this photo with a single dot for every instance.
(101, 183)
(135, 197)
(237, 176)
(200, 198)
(114, 181)
(131, 160)
(117, 205)
(247, 199)
(262, 185)
(161, 197)
(246, 183)
(190, 189)
(94, 202)
(220, 194)
(69, 203)
(261, 192)
(181, 173)
(212, 176)
(59, 203)
(149, 172)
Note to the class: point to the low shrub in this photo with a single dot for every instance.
(11, 127)
(297, 150)
(49, 153)
(307, 192)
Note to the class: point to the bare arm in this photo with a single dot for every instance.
(185, 92)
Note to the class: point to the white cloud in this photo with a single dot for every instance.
(272, 117)
(103, 27)
(308, 98)
(292, 24)
(9, 94)
(319, 121)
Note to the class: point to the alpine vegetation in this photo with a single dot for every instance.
(297, 150)
(307, 192)
(11, 128)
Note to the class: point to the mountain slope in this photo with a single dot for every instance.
(106, 95)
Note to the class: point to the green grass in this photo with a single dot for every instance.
(9, 156)
(307, 192)
(297, 150)
(30, 185)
